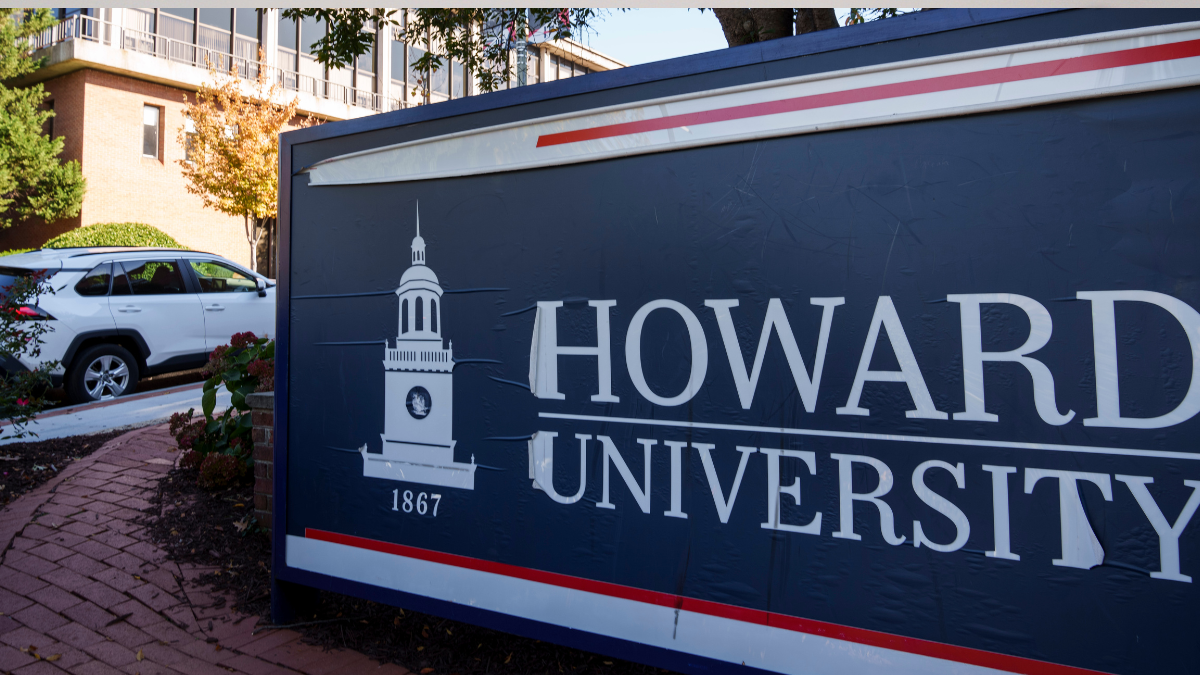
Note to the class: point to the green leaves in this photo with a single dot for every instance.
(244, 366)
(21, 393)
(34, 182)
(114, 234)
(208, 401)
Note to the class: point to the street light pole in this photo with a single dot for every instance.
(522, 38)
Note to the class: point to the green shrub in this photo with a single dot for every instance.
(14, 251)
(114, 234)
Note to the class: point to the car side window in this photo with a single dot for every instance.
(152, 277)
(96, 281)
(215, 277)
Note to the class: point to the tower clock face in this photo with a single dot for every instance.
(418, 402)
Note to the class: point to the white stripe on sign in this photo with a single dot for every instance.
(895, 438)
(766, 647)
(1103, 64)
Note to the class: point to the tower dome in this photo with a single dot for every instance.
(419, 295)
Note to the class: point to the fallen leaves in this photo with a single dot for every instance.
(140, 655)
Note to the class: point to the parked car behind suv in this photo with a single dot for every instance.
(119, 314)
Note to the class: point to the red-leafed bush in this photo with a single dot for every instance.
(190, 460)
(219, 470)
(244, 366)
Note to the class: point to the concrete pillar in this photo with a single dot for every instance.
(383, 66)
(270, 36)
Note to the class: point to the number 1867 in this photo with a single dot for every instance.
(421, 504)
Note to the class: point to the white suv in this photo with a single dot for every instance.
(122, 313)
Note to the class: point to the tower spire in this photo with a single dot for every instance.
(418, 244)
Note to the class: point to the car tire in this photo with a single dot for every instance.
(100, 373)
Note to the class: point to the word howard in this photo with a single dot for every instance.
(1080, 547)
(545, 352)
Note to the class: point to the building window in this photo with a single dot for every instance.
(178, 23)
(458, 78)
(287, 44)
(150, 127)
(189, 139)
(420, 314)
(398, 66)
(246, 35)
(439, 81)
(433, 315)
(417, 81)
(533, 73)
(216, 24)
(364, 75)
(404, 316)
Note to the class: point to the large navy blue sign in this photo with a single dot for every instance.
(909, 398)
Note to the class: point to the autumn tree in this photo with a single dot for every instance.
(232, 150)
(34, 181)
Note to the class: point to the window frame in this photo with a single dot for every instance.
(158, 135)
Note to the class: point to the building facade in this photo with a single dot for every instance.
(119, 79)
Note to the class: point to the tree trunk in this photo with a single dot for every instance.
(772, 22)
(738, 25)
(758, 24)
(252, 236)
(268, 247)
(811, 20)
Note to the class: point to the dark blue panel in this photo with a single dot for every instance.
(1042, 202)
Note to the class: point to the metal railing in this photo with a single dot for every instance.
(88, 28)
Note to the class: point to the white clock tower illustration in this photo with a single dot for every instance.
(419, 389)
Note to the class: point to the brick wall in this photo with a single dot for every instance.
(99, 115)
(263, 412)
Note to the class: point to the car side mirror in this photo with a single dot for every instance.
(261, 285)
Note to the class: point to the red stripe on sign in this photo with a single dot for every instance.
(939, 650)
(1032, 71)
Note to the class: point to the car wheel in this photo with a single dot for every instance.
(100, 373)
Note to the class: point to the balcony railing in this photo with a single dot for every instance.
(94, 30)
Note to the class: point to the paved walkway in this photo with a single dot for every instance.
(127, 411)
(81, 591)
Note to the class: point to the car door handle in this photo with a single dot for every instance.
(214, 308)
(129, 309)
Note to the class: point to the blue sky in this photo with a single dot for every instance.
(644, 35)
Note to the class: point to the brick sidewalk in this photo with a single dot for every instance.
(82, 592)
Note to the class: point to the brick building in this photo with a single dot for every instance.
(118, 79)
